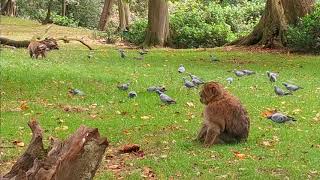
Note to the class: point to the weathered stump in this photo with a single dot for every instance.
(78, 157)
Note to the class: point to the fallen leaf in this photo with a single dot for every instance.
(24, 105)
(145, 117)
(128, 148)
(190, 104)
(18, 143)
(268, 112)
(239, 155)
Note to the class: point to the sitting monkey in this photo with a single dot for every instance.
(225, 119)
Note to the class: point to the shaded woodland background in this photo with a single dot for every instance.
(184, 23)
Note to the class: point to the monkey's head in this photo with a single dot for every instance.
(211, 91)
(51, 43)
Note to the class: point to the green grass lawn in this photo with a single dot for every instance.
(273, 151)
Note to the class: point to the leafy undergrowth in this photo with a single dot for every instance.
(39, 88)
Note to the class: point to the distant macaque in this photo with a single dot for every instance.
(37, 48)
(225, 119)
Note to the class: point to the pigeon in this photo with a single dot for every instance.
(248, 72)
(213, 58)
(272, 76)
(138, 58)
(142, 52)
(155, 88)
(196, 80)
(188, 83)
(280, 92)
(280, 118)
(181, 69)
(122, 54)
(292, 87)
(239, 73)
(165, 98)
(123, 87)
(76, 92)
(230, 80)
(132, 94)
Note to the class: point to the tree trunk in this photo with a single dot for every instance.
(124, 14)
(78, 157)
(48, 17)
(105, 15)
(9, 8)
(64, 8)
(271, 30)
(158, 23)
(127, 14)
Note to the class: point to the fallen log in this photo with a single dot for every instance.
(17, 44)
(25, 43)
(78, 157)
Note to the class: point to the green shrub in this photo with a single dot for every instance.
(136, 32)
(305, 36)
(64, 20)
(205, 24)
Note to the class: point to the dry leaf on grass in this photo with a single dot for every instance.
(268, 112)
(18, 143)
(129, 148)
(239, 155)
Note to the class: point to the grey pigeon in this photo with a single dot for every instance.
(248, 72)
(280, 118)
(139, 58)
(280, 92)
(165, 98)
(239, 73)
(196, 80)
(292, 87)
(229, 80)
(155, 88)
(181, 69)
(214, 58)
(272, 76)
(132, 94)
(188, 83)
(142, 52)
(122, 54)
(76, 92)
(124, 86)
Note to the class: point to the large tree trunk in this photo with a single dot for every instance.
(64, 8)
(9, 7)
(105, 15)
(124, 14)
(158, 23)
(78, 157)
(271, 29)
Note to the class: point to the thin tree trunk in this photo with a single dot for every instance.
(64, 8)
(48, 17)
(127, 14)
(158, 23)
(122, 17)
(271, 29)
(105, 15)
(9, 8)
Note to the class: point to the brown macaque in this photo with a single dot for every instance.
(225, 119)
(37, 48)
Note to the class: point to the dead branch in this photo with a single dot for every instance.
(67, 40)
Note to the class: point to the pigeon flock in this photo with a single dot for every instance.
(196, 81)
